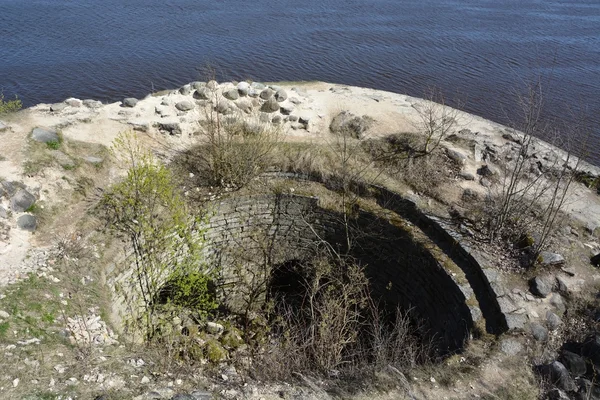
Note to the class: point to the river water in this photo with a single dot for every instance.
(480, 51)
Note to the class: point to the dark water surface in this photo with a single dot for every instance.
(480, 49)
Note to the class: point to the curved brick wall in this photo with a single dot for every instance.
(279, 228)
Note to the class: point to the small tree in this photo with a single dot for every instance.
(147, 210)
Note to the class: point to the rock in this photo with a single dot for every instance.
(270, 106)
(129, 102)
(470, 195)
(243, 88)
(595, 260)
(202, 94)
(277, 119)
(27, 222)
(487, 171)
(563, 285)
(245, 105)
(212, 85)
(293, 118)
(231, 94)
(467, 176)
(511, 347)
(348, 123)
(4, 314)
(252, 93)
(72, 102)
(266, 94)
(93, 104)
(553, 320)
(547, 258)
(223, 107)
(558, 375)
(44, 135)
(185, 90)
(287, 109)
(456, 156)
(198, 85)
(172, 128)
(257, 85)
(94, 160)
(3, 212)
(485, 182)
(539, 332)
(281, 95)
(183, 397)
(202, 395)
(587, 391)
(57, 107)
(3, 126)
(591, 348)
(145, 380)
(214, 328)
(540, 286)
(557, 301)
(184, 105)
(64, 160)
(21, 201)
(164, 111)
(573, 362)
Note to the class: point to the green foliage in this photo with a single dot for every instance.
(4, 326)
(54, 145)
(147, 210)
(192, 291)
(214, 352)
(9, 106)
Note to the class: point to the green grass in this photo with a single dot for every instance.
(9, 106)
(54, 145)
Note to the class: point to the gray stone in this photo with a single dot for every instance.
(539, 332)
(3, 126)
(245, 105)
(57, 107)
(270, 106)
(573, 362)
(547, 258)
(553, 320)
(44, 135)
(214, 328)
(10, 188)
(295, 101)
(557, 301)
(257, 85)
(559, 375)
(202, 395)
(92, 103)
(563, 285)
(72, 102)
(487, 171)
(281, 95)
(287, 109)
(64, 160)
(4, 314)
(266, 94)
(182, 396)
(202, 93)
(223, 107)
(516, 321)
(456, 156)
(21, 201)
(467, 176)
(164, 111)
(93, 160)
(540, 286)
(129, 102)
(348, 123)
(277, 119)
(243, 88)
(185, 90)
(172, 128)
(27, 222)
(184, 105)
(470, 195)
(212, 85)
(231, 94)
(512, 347)
(293, 118)
(485, 182)
(253, 93)
(3, 212)
(198, 85)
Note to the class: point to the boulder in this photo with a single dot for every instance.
(540, 286)
(27, 222)
(223, 107)
(44, 135)
(287, 109)
(74, 102)
(281, 95)
(231, 94)
(245, 105)
(470, 195)
(202, 94)
(214, 328)
(595, 260)
(558, 374)
(266, 94)
(456, 156)
(172, 128)
(92, 103)
(293, 118)
(467, 176)
(129, 102)
(184, 105)
(553, 320)
(93, 160)
(539, 332)
(547, 258)
(64, 160)
(185, 90)
(348, 123)
(21, 201)
(243, 88)
(253, 93)
(557, 301)
(270, 106)
(487, 171)
(257, 86)
(573, 362)
(511, 347)
(277, 119)
(57, 107)
(198, 85)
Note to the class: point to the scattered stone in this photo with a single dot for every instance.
(287, 109)
(183, 397)
(559, 375)
(512, 347)
(15, 382)
(214, 328)
(573, 362)
(21, 201)
(467, 176)
(172, 128)
(202, 395)
(486, 171)
(245, 105)
(243, 88)
(198, 85)
(266, 94)
(257, 85)
(516, 321)
(253, 93)
(293, 118)
(57, 107)
(511, 137)
(93, 104)
(94, 160)
(4, 314)
(595, 260)
(485, 182)
(348, 123)
(185, 90)
(64, 160)
(164, 111)
(44, 135)
(202, 94)
(73, 102)
(563, 285)
(540, 286)
(129, 102)
(3, 212)
(456, 156)
(145, 380)
(270, 106)
(27, 222)
(539, 332)
(295, 101)
(547, 258)
(281, 95)
(184, 105)
(277, 119)
(469, 195)
(231, 94)
(557, 301)
(223, 107)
